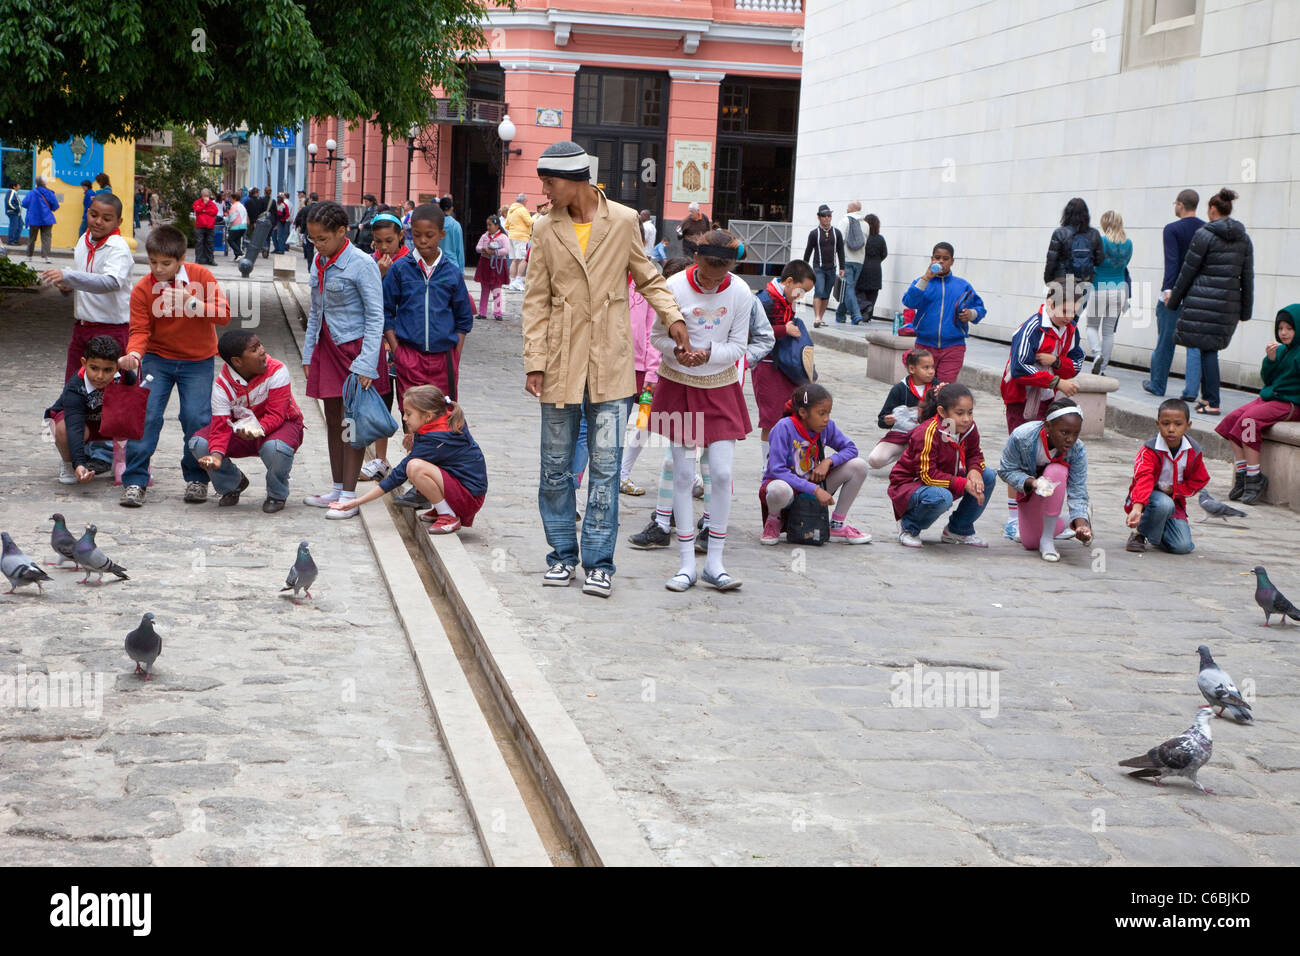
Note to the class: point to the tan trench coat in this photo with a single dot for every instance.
(577, 327)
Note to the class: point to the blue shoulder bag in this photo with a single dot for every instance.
(366, 419)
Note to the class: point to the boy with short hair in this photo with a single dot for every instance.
(946, 306)
(1168, 470)
(427, 311)
(253, 413)
(100, 280)
(174, 311)
(75, 416)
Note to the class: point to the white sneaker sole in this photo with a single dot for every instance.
(342, 513)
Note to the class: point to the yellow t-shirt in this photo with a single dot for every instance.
(583, 229)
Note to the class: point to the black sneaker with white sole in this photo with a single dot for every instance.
(411, 499)
(558, 576)
(598, 583)
(652, 537)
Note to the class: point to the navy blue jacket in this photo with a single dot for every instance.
(456, 453)
(1177, 237)
(427, 315)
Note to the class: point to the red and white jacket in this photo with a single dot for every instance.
(1024, 380)
(267, 400)
(1159, 469)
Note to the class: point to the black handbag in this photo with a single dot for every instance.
(807, 521)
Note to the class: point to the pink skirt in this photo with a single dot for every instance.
(771, 391)
(686, 415)
(330, 362)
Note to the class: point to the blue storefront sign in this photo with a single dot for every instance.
(78, 158)
(283, 139)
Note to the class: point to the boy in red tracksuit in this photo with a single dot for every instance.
(253, 413)
(1045, 357)
(1168, 469)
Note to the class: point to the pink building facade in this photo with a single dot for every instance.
(678, 101)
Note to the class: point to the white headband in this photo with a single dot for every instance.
(1067, 410)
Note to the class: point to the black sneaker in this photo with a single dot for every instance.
(652, 537)
(272, 505)
(1256, 485)
(99, 466)
(411, 499)
(558, 576)
(701, 537)
(1136, 543)
(1238, 486)
(231, 498)
(598, 583)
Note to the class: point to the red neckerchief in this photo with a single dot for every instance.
(814, 439)
(1173, 462)
(396, 255)
(419, 261)
(92, 247)
(320, 268)
(437, 425)
(1047, 450)
(690, 277)
(945, 435)
(920, 396)
(784, 310)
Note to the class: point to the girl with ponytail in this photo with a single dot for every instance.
(905, 395)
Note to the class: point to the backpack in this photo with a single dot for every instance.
(1081, 257)
(807, 521)
(854, 239)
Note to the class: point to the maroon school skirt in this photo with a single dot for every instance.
(771, 391)
(686, 415)
(458, 499)
(330, 363)
(892, 437)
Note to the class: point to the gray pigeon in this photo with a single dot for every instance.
(19, 568)
(1270, 599)
(143, 645)
(1220, 691)
(303, 573)
(63, 543)
(1179, 756)
(1214, 508)
(91, 559)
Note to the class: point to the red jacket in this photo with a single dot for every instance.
(1177, 475)
(267, 398)
(1024, 380)
(205, 213)
(933, 457)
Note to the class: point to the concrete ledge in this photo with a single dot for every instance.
(1279, 458)
(1091, 399)
(885, 353)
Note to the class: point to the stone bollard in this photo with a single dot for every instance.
(885, 353)
(283, 264)
(1091, 398)
(1279, 458)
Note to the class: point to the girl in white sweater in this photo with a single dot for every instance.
(699, 402)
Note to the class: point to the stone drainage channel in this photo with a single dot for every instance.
(534, 790)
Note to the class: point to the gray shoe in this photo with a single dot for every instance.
(132, 496)
(196, 492)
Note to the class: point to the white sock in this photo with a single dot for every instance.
(763, 466)
(347, 496)
(1047, 540)
(683, 507)
(664, 510)
(442, 508)
(721, 456)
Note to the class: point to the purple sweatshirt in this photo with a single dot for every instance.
(790, 456)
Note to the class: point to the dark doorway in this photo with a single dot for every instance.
(757, 136)
(475, 182)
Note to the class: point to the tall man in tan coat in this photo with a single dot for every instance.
(578, 355)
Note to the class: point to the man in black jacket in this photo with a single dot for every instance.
(300, 224)
(825, 253)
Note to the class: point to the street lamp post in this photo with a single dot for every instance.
(506, 133)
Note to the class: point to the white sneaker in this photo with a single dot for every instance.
(321, 501)
(375, 469)
(972, 540)
(908, 540)
(343, 513)
(67, 473)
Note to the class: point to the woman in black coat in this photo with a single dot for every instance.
(869, 279)
(1215, 290)
(1061, 258)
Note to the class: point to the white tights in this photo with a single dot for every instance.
(721, 456)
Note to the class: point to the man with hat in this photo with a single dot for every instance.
(825, 253)
(578, 355)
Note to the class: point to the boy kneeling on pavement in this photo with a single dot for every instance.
(253, 413)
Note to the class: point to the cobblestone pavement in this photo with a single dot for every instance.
(760, 726)
(271, 734)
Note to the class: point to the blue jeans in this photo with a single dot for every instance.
(194, 382)
(580, 454)
(1202, 376)
(1162, 356)
(929, 503)
(276, 455)
(1159, 526)
(823, 282)
(281, 236)
(849, 303)
(15, 228)
(556, 495)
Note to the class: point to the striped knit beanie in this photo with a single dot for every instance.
(565, 160)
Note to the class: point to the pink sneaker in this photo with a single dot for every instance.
(771, 530)
(445, 524)
(849, 535)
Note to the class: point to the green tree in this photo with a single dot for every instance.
(124, 68)
(177, 175)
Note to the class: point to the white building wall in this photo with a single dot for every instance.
(974, 121)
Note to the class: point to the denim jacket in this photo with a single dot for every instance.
(1020, 463)
(353, 304)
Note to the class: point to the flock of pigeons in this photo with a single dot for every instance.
(1180, 756)
(143, 645)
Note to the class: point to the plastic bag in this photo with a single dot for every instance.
(365, 417)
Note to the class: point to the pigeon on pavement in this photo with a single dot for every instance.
(143, 645)
(1180, 756)
(92, 559)
(1214, 508)
(63, 543)
(1220, 691)
(1270, 598)
(19, 568)
(303, 573)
